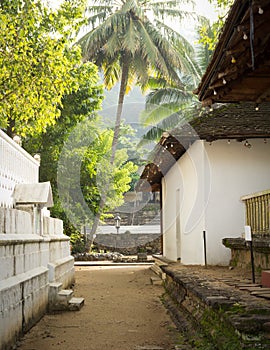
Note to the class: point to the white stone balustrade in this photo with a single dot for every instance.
(16, 166)
(29, 263)
(30, 259)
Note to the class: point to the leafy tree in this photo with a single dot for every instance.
(86, 176)
(75, 107)
(37, 62)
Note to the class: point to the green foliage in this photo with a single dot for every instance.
(211, 40)
(77, 243)
(223, 335)
(37, 62)
(100, 178)
(76, 106)
(86, 176)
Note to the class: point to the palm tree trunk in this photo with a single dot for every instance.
(123, 86)
(122, 91)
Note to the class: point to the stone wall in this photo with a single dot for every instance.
(29, 263)
(213, 315)
(129, 243)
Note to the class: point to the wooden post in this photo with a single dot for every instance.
(252, 261)
(205, 253)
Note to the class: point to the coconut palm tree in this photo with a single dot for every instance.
(130, 41)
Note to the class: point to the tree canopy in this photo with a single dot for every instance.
(37, 62)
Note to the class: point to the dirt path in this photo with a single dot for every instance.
(122, 311)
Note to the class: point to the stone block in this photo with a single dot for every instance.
(44, 253)
(23, 222)
(9, 221)
(266, 278)
(156, 281)
(75, 304)
(7, 262)
(2, 220)
(19, 259)
(64, 295)
(28, 308)
(58, 227)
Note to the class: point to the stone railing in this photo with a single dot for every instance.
(258, 212)
(30, 265)
(16, 166)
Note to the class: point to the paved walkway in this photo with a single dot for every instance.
(122, 311)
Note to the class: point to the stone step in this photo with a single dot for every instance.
(75, 304)
(64, 295)
(261, 291)
(61, 302)
(157, 270)
(54, 289)
(156, 280)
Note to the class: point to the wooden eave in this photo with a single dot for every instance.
(230, 76)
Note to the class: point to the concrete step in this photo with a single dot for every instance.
(65, 295)
(75, 304)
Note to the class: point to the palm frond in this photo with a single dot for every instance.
(131, 40)
(167, 95)
(154, 115)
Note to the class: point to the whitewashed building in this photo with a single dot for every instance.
(202, 170)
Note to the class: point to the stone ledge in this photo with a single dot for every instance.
(261, 244)
(225, 315)
(9, 239)
(17, 280)
(240, 252)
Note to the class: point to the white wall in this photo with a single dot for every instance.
(211, 180)
(186, 176)
(236, 170)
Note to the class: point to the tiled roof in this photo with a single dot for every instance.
(231, 121)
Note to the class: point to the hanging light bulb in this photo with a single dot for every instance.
(260, 11)
(215, 93)
(257, 107)
(224, 81)
(245, 37)
(247, 144)
(233, 60)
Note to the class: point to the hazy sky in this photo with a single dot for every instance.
(202, 7)
(187, 28)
